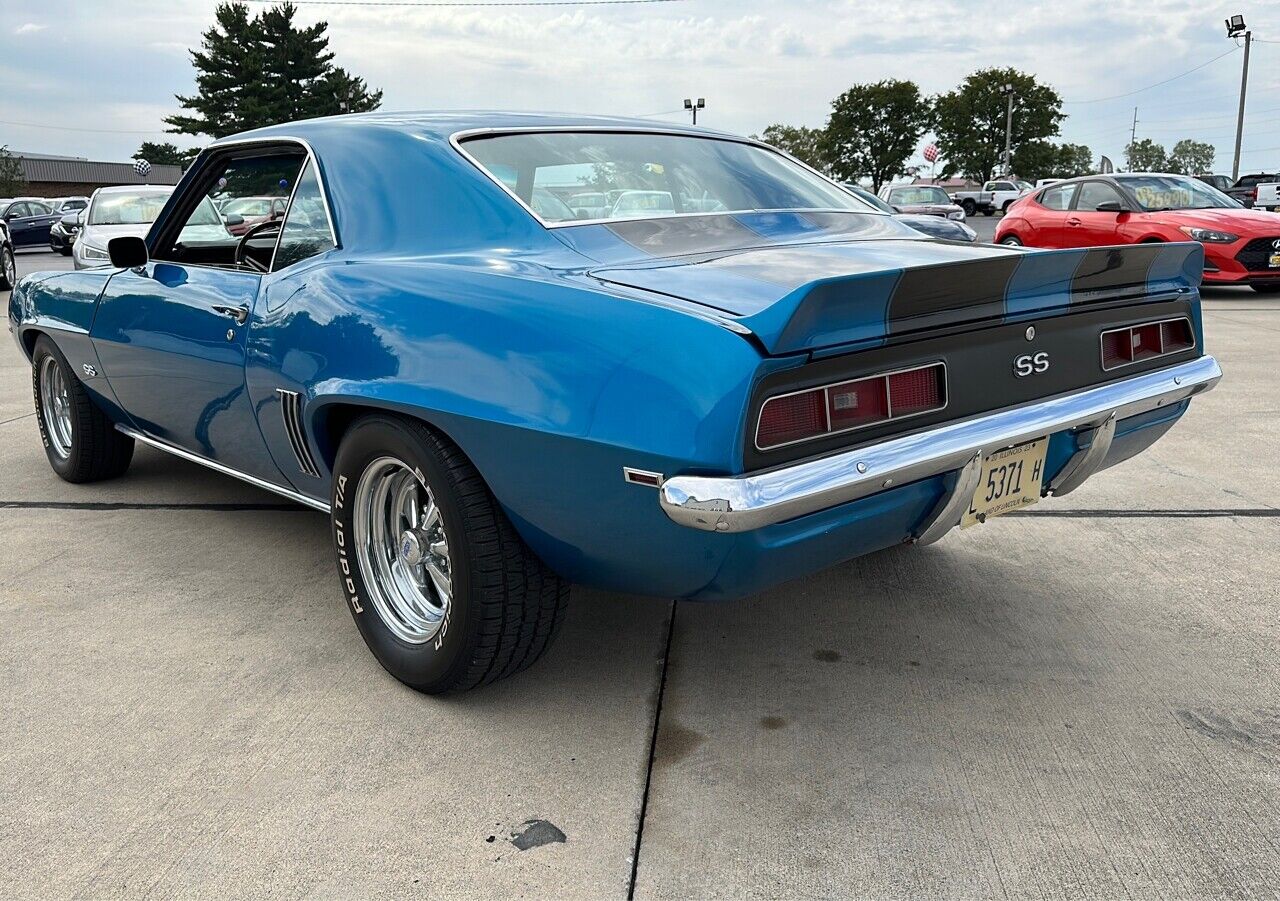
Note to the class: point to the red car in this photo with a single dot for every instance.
(1241, 247)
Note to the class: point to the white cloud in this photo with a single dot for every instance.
(29, 28)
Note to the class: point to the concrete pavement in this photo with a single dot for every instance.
(1079, 700)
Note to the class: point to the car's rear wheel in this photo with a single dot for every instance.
(81, 442)
(1005, 208)
(1011, 240)
(8, 268)
(443, 590)
(969, 207)
(1266, 289)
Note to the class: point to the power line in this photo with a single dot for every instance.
(101, 131)
(1158, 83)
(444, 3)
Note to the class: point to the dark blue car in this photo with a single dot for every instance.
(497, 378)
(29, 220)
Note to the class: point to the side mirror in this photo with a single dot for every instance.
(232, 219)
(80, 219)
(1109, 206)
(128, 252)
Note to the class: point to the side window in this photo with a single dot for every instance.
(227, 215)
(306, 225)
(1093, 193)
(1058, 198)
(1002, 186)
(40, 209)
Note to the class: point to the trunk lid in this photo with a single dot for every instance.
(811, 295)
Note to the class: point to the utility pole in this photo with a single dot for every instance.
(1235, 25)
(1133, 139)
(1007, 90)
(694, 107)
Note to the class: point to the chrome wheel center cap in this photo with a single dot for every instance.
(412, 551)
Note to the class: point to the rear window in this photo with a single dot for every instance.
(570, 177)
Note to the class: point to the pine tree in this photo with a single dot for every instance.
(252, 72)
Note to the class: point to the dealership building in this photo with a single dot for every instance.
(64, 176)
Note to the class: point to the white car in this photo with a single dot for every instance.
(130, 210)
(1268, 197)
(996, 195)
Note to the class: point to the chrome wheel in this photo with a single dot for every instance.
(10, 268)
(402, 550)
(55, 406)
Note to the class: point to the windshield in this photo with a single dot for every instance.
(132, 208)
(916, 195)
(1169, 192)
(602, 175)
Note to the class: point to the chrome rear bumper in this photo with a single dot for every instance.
(743, 503)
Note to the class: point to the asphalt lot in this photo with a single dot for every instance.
(1079, 700)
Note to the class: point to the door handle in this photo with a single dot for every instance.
(239, 314)
(1073, 221)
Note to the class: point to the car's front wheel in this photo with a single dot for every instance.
(1011, 240)
(8, 268)
(81, 442)
(444, 591)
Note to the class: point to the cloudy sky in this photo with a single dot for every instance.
(95, 77)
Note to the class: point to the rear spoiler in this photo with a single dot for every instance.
(871, 306)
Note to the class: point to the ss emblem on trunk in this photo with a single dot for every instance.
(1031, 364)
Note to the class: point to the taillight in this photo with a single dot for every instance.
(1135, 343)
(844, 406)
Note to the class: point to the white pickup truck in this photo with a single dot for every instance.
(1268, 197)
(995, 195)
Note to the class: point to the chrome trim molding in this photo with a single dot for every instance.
(225, 470)
(1085, 463)
(291, 413)
(746, 502)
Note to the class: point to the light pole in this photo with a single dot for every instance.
(1007, 91)
(693, 107)
(1236, 26)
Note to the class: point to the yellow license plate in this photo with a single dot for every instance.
(1010, 480)
(1275, 260)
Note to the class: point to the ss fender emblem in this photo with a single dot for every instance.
(1031, 364)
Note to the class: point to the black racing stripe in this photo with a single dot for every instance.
(692, 235)
(1105, 270)
(932, 296)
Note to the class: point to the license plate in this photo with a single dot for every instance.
(1010, 480)
(1275, 260)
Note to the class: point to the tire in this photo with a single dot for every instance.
(8, 268)
(504, 606)
(81, 442)
(1005, 209)
(970, 208)
(988, 211)
(1266, 289)
(1011, 240)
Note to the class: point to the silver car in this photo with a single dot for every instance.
(129, 210)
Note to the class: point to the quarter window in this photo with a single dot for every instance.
(306, 225)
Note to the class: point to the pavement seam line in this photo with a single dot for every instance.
(110, 506)
(653, 750)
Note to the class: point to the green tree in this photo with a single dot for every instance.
(805, 144)
(258, 71)
(970, 121)
(1073, 160)
(11, 180)
(1191, 157)
(874, 129)
(1146, 156)
(165, 153)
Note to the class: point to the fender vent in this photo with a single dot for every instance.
(291, 410)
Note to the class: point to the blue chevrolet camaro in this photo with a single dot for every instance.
(509, 352)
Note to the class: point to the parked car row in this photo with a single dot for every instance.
(1241, 246)
(29, 219)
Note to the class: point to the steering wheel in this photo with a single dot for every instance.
(240, 259)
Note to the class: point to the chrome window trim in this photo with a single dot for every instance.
(193, 457)
(459, 137)
(1102, 354)
(826, 388)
